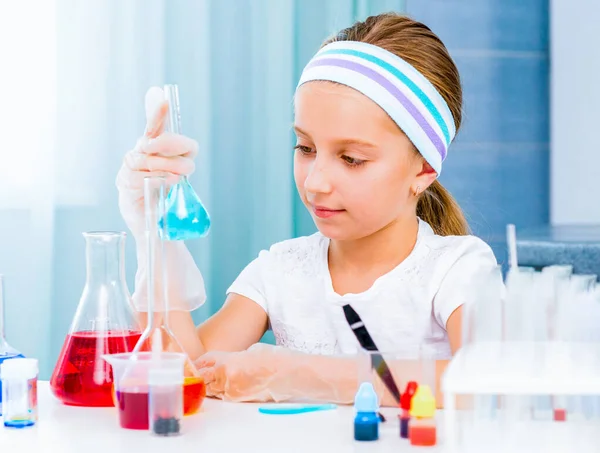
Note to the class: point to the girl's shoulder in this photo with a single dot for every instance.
(304, 253)
(452, 248)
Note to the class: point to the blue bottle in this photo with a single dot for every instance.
(366, 422)
(6, 351)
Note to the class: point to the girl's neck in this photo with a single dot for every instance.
(377, 254)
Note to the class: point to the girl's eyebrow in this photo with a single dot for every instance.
(343, 141)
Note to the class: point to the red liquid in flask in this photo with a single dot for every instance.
(81, 376)
(194, 391)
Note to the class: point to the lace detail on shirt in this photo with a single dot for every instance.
(296, 339)
(300, 256)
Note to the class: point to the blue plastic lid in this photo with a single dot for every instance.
(366, 398)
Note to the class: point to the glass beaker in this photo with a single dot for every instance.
(131, 371)
(185, 216)
(104, 323)
(6, 351)
(157, 335)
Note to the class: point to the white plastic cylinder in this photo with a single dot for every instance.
(165, 406)
(19, 392)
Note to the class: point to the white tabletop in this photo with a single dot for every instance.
(219, 427)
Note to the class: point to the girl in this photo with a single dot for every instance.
(375, 112)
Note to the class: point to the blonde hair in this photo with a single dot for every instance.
(419, 46)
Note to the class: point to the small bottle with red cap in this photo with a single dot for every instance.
(405, 400)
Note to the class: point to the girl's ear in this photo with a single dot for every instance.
(424, 177)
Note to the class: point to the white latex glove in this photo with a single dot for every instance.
(159, 153)
(274, 373)
(156, 153)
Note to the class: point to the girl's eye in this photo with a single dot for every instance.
(304, 149)
(352, 162)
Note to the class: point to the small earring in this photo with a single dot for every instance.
(417, 191)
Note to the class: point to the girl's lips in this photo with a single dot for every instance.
(325, 213)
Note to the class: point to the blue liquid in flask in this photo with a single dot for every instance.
(185, 216)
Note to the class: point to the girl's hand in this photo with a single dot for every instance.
(250, 375)
(156, 153)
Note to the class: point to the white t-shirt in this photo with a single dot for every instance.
(407, 306)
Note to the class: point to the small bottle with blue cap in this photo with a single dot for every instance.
(366, 422)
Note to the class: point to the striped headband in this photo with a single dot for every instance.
(397, 87)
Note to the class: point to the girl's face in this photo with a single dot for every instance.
(355, 171)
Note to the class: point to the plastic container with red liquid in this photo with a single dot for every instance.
(132, 373)
(104, 323)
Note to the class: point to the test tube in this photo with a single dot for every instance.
(517, 301)
(518, 310)
(484, 305)
(526, 269)
(165, 405)
(584, 282)
(19, 392)
(483, 309)
(540, 322)
(559, 270)
(582, 288)
(561, 275)
(154, 209)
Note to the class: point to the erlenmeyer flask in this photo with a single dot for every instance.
(185, 215)
(157, 335)
(104, 323)
(6, 351)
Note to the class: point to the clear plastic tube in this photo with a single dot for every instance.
(165, 408)
(158, 335)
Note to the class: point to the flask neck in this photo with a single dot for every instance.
(5, 348)
(173, 120)
(105, 263)
(2, 313)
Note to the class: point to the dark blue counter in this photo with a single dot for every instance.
(576, 245)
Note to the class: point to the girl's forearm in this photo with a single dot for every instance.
(337, 378)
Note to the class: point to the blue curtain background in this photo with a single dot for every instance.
(236, 63)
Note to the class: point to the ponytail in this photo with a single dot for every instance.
(441, 211)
